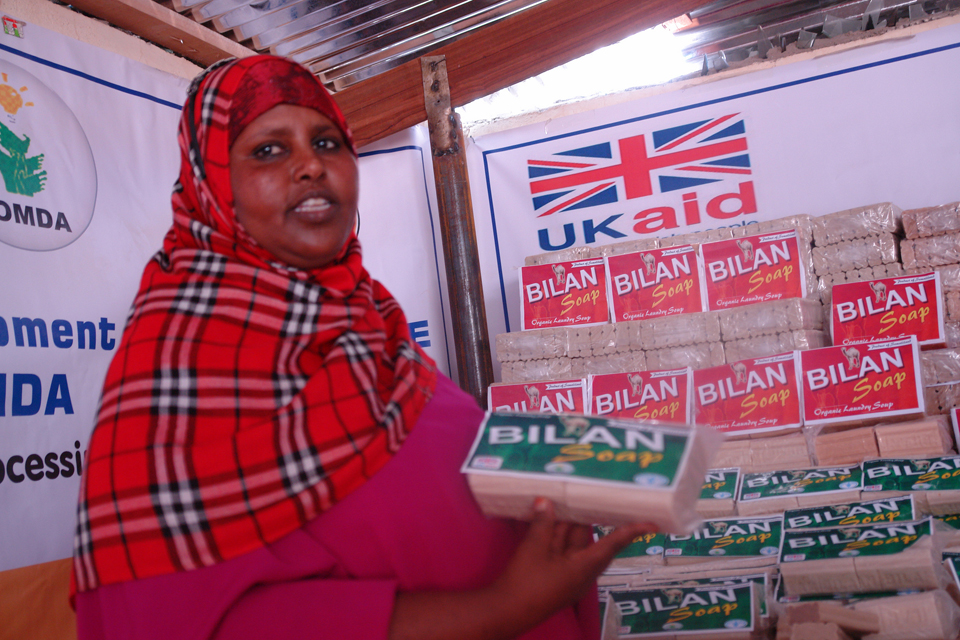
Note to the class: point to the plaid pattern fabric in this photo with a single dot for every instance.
(245, 397)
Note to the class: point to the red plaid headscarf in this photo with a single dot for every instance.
(246, 397)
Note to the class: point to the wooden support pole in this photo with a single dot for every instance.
(460, 254)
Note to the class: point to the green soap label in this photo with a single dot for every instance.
(730, 537)
(900, 509)
(720, 484)
(776, 484)
(648, 544)
(685, 610)
(579, 448)
(873, 540)
(951, 519)
(928, 474)
(759, 581)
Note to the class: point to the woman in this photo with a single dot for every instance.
(274, 455)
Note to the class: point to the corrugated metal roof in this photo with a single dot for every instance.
(347, 41)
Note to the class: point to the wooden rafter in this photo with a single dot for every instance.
(164, 27)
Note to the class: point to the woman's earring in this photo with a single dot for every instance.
(357, 231)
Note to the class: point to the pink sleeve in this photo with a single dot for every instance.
(355, 609)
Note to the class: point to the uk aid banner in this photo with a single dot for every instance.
(827, 132)
(88, 158)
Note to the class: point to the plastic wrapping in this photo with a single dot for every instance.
(932, 221)
(536, 370)
(952, 306)
(696, 356)
(932, 615)
(592, 340)
(536, 344)
(856, 254)
(949, 275)
(803, 223)
(564, 255)
(631, 246)
(940, 366)
(890, 270)
(940, 399)
(773, 343)
(698, 238)
(951, 332)
(852, 224)
(935, 251)
(777, 316)
(611, 363)
(679, 330)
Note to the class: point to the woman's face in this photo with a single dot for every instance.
(295, 186)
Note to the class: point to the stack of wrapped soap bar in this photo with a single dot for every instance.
(933, 243)
(847, 246)
(941, 379)
(855, 239)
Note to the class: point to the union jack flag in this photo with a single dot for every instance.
(676, 158)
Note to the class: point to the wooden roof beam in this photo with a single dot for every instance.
(166, 28)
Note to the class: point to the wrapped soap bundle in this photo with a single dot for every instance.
(707, 612)
(933, 236)
(933, 482)
(941, 379)
(889, 308)
(740, 542)
(828, 280)
(852, 514)
(595, 470)
(872, 558)
(777, 491)
(858, 238)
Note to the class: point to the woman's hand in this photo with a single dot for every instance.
(554, 567)
(558, 562)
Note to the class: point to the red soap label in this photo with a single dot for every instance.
(561, 396)
(654, 284)
(850, 382)
(642, 395)
(564, 294)
(749, 396)
(888, 308)
(753, 269)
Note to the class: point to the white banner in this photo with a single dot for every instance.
(400, 234)
(871, 124)
(88, 157)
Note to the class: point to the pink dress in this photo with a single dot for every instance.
(413, 526)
